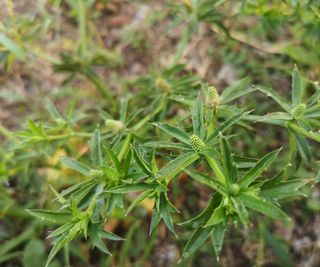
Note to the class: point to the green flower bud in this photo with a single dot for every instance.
(94, 173)
(234, 189)
(163, 85)
(196, 143)
(298, 111)
(213, 99)
(61, 121)
(114, 125)
(188, 5)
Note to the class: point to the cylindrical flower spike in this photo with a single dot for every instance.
(213, 99)
(196, 143)
(163, 85)
(298, 111)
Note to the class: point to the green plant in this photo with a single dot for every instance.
(165, 134)
(128, 163)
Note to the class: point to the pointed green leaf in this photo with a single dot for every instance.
(51, 216)
(236, 90)
(110, 236)
(141, 162)
(200, 219)
(53, 111)
(197, 118)
(284, 189)
(262, 206)
(138, 200)
(178, 164)
(114, 158)
(155, 219)
(296, 87)
(315, 97)
(240, 210)
(12, 46)
(276, 97)
(217, 238)
(303, 147)
(224, 126)
(61, 230)
(96, 155)
(198, 237)
(165, 214)
(218, 216)
(76, 165)
(166, 144)
(127, 162)
(229, 167)
(60, 198)
(259, 168)
(212, 183)
(55, 249)
(126, 188)
(174, 132)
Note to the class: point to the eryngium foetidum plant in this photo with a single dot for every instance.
(125, 163)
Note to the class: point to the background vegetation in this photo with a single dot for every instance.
(70, 67)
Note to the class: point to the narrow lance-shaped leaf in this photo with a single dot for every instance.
(53, 111)
(201, 218)
(296, 87)
(259, 168)
(303, 147)
(218, 216)
(178, 164)
(262, 206)
(198, 237)
(217, 238)
(224, 126)
(174, 132)
(237, 89)
(284, 189)
(167, 144)
(155, 219)
(122, 189)
(213, 183)
(51, 216)
(138, 200)
(58, 245)
(228, 164)
(114, 158)
(96, 155)
(76, 165)
(271, 93)
(141, 162)
(12, 46)
(165, 210)
(315, 97)
(197, 118)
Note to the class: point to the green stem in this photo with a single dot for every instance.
(302, 131)
(216, 169)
